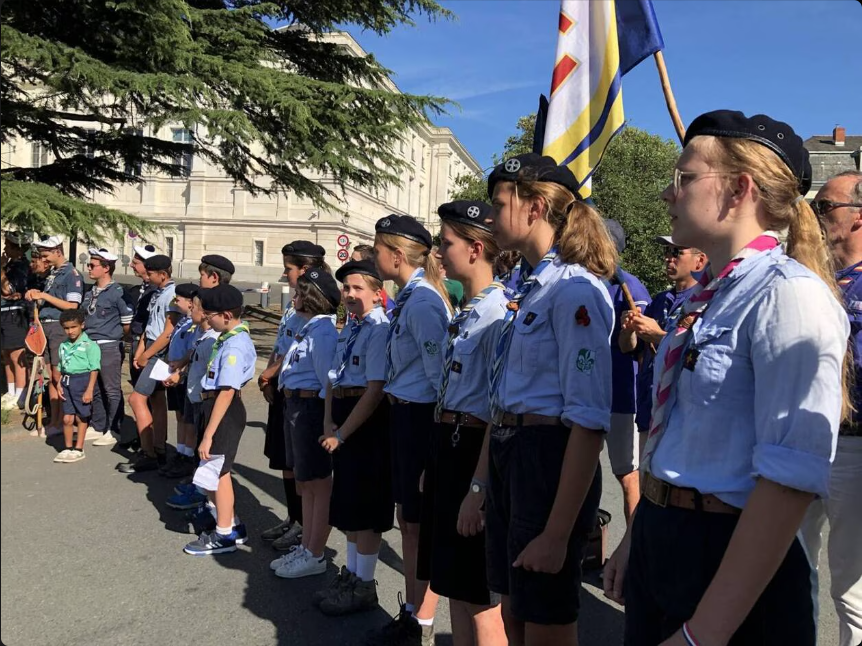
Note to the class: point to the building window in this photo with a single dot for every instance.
(89, 148)
(40, 155)
(183, 136)
(169, 247)
(423, 156)
(402, 146)
(134, 169)
(258, 253)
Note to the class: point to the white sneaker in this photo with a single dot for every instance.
(51, 431)
(74, 456)
(284, 559)
(104, 439)
(93, 434)
(63, 455)
(305, 565)
(9, 402)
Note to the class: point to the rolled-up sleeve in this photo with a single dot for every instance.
(800, 336)
(428, 325)
(582, 322)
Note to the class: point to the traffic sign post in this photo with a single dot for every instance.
(342, 254)
(343, 241)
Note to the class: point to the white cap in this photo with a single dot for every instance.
(666, 240)
(145, 251)
(51, 242)
(102, 253)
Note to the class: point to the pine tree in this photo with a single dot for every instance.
(90, 80)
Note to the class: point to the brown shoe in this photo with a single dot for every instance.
(357, 596)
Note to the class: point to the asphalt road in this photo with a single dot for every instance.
(91, 557)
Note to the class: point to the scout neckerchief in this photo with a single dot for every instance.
(65, 353)
(282, 325)
(49, 282)
(151, 305)
(403, 295)
(198, 341)
(454, 329)
(178, 328)
(526, 282)
(291, 353)
(848, 276)
(94, 296)
(693, 309)
(222, 338)
(355, 326)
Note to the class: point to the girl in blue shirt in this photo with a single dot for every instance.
(550, 398)
(747, 398)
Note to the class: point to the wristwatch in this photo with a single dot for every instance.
(477, 486)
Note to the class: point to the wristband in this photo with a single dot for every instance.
(338, 437)
(689, 637)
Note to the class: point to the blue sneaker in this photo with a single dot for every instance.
(241, 534)
(212, 543)
(187, 488)
(186, 501)
(201, 520)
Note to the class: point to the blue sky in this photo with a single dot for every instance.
(791, 59)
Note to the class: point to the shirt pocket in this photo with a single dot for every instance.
(532, 342)
(403, 347)
(463, 360)
(712, 374)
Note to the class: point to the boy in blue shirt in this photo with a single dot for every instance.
(79, 363)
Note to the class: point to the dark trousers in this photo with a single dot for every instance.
(674, 556)
(108, 393)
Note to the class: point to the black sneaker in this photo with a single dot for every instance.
(170, 463)
(201, 520)
(181, 467)
(141, 465)
(403, 629)
(130, 445)
(162, 458)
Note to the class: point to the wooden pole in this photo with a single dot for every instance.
(668, 96)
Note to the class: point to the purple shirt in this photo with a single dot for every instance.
(624, 367)
(850, 281)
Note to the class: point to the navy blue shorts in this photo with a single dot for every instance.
(303, 421)
(410, 428)
(74, 387)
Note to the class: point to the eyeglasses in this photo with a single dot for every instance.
(679, 175)
(91, 265)
(822, 207)
(676, 252)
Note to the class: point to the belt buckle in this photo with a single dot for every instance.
(660, 499)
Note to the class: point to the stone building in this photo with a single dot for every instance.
(831, 155)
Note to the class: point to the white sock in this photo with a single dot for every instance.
(224, 531)
(425, 622)
(10, 389)
(365, 566)
(351, 557)
(181, 449)
(19, 391)
(409, 607)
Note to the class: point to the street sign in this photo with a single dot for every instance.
(343, 255)
(343, 241)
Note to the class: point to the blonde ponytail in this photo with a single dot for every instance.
(418, 255)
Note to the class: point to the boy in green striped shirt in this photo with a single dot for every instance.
(80, 360)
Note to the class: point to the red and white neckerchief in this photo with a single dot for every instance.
(679, 338)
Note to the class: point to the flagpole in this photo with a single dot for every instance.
(668, 96)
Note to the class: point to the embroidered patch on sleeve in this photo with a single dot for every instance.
(582, 316)
(586, 360)
(431, 348)
(231, 359)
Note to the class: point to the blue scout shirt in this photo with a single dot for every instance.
(233, 366)
(760, 395)
(181, 339)
(201, 349)
(851, 286)
(306, 364)
(107, 312)
(291, 324)
(367, 360)
(139, 297)
(161, 304)
(65, 283)
(662, 306)
(473, 358)
(16, 274)
(418, 345)
(624, 366)
(559, 361)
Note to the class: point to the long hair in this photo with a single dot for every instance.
(580, 232)
(418, 255)
(308, 262)
(475, 234)
(779, 190)
(313, 300)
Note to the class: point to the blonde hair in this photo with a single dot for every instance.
(779, 190)
(418, 255)
(580, 232)
(475, 234)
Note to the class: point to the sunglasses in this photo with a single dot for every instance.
(91, 265)
(822, 207)
(676, 252)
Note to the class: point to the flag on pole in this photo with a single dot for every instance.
(598, 42)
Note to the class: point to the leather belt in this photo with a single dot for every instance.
(850, 429)
(344, 393)
(212, 394)
(665, 494)
(461, 419)
(397, 400)
(526, 419)
(300, 394)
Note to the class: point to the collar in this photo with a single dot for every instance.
(81, 339)
(413, 275)
(755, 261)
(545, 275)
(57, 270)
(848, 271)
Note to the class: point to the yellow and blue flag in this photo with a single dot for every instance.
(599, 41)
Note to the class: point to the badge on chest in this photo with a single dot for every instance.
(689, 360)
(355, 360)
(456, 367)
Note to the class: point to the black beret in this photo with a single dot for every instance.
(778, 136)
(186, 290)
(364, 267)
(617, 233)
(303, 248)
(325, 284)
(405, 226)
(470, 212)
(220, 298)
(219, 262)
(159, 262)
(533, 167)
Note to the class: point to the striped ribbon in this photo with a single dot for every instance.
(355, 327)
(679, 339)
(454, 330)
(527, 282)
(294, 347)
(403, 295)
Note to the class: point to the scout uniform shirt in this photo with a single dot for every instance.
(82, 356)
(201, 349)
(107, 312)
(624, 366)
(182, 338)
(230, 364)
(367, 359)
(418, 344)
(756, 394)
(307, 362)
(16, 274)
(65, 283)
(851, 286)
(161, 304)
